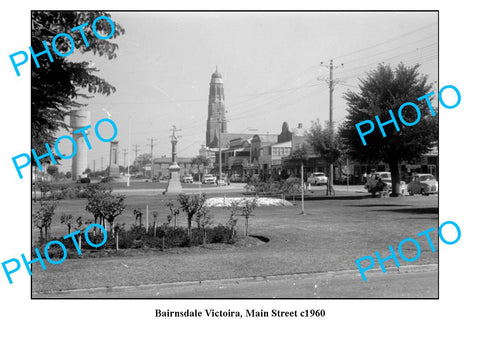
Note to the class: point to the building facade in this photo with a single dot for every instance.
(161, 165)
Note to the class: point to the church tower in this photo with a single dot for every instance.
(216, 121)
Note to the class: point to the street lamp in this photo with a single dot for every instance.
(129, 146)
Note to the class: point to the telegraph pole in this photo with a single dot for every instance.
(151, 155)
(135, 147)
(219, 154)
(220, 128)
(129, 148)
(331, 83)
(125, 151)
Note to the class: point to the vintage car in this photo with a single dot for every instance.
(424, 184)
(317, 178)
(372, 181)
(209, 179)
(188, 179)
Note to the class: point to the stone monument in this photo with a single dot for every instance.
(174, 186)
(113, 168)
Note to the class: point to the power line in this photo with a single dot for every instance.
(387, 41)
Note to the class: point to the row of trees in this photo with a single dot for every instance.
(382, 89)
(106, 207)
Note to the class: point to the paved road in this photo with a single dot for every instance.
(409, 282)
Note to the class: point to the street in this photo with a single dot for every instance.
(408, 282)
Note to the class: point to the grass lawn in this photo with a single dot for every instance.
(330, 237)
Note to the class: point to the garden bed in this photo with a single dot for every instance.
(225, 202)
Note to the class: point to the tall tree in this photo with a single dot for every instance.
(199, 161)
(326, 146)
(301, 155)
(57, 85)
(52, 170)
(385, 89)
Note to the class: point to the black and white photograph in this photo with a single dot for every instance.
(238, 170)
(235, 154)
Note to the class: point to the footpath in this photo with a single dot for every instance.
(418, 281)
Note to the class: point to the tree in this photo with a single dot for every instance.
(232, 220)
(95, 194)
(111, 207)
(42, 219)
(57, 85)
(204, 218)
(301, 154)
(138, 216)
(104, 205)
(155, 219)
(200, 160)
(385, 89)
(52, 170)
(327, 144)
(247, 210)
(174, 212)
(67, 220)
(190, 204)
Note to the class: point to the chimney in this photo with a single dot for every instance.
(300, 125)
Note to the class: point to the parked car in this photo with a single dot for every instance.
(209, 179)
(424, 184)
(188, 179)
(372, 181)
(317, 178)
(235, 178)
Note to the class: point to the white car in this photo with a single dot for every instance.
(317, 178)
(208, 179)
(188, 179)
(424, 184)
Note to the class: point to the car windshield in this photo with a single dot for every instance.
(318, 174)
(387, 176)
(426, 178)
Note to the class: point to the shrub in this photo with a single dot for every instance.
(220, 234)
(176, 237)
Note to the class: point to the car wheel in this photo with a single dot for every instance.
(410, 193)
(422, 191)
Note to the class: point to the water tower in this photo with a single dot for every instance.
(78, 120)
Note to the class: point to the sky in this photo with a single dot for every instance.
(270, 63)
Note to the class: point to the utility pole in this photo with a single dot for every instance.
(220, 128)
(101, 163)
(219, 154)
(135, 147)
(151, 155)
(129, 148)
(125, 151)
(93, 165)
(331, 83)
